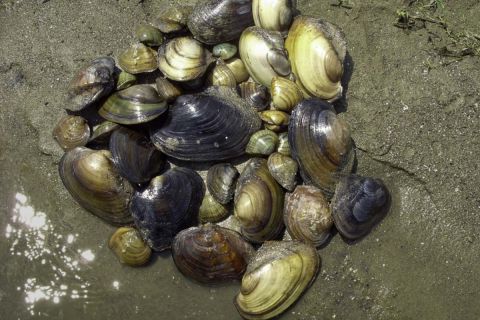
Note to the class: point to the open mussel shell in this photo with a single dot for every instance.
(238, 68)
(172, 19)
(134, 155)
(211, 210)
(255, 94)
(136, 104)
(71, 131)
(221, 75)
(321, 144)
(125, 80)
(284, 169)
(138, 59)
(91, 83)
(307, 215)
(93, 181)
(263, 53)
(167, 90)
(129, 247)
(221, 181)
(263, 142)
(210, 254)
(183, 59)
(149, 35)
(211, 126)
(285, 94)
(358, 205)
(275, 15)
(217, 21)
(276, 277)
(168, 205)
(259, 202)
(224, 51)
(316, 50)
(283, 145)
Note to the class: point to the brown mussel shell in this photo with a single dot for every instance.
(284, 169)
(255, 94)
(149, 35)
(217, 21)
(71, 132)
(91, 83)
(93, 181)
(211, 210)
(263, 142)
(283, 145)
(129, 247)
(138, 59)
(172, 19)
(221, 75)
(167, 90)
(168, 205)
(307, 215)
(259, 202)
(221, 181)
(134, 156)
(359, 204)
(238, 68)
(210, 254)
(211, 126)
(285, 94)
(321, 144)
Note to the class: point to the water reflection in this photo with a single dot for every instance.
(33, 238)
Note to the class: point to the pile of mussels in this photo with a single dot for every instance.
(209, 106)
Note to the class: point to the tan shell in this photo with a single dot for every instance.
(221, 75)
(285, 94)
(273, 15)
(137, 59)
(129, 247)
(71, 131)
(238, 68)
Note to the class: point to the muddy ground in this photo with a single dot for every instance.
(415, 119)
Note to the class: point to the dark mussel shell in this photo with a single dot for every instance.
(211, 126)
(91, 83)
(255, 94)
(168, 205)
(217, 21)
(321, 144)
(221, 181)
(358, 205)
(135, 156)
(211, 254)
(93, 181)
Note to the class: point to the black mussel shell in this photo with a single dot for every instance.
(135, 156)
(211, 126)
(168, 205)
(358, 205)
(221, 181)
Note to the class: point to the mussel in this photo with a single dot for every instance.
(263, 53)
(259, 202)
(102, 132)
(275, 278)
(91, 83)
(262, 142)
(274, 120)
(284, 169)
(134, 156)
(149, 35)
(211, 210)
(275, 15)
(168, 205)
(221, 75)
(93, 181)
(307, 215)
(125, 80)
(71, 131)
(138, 59)
(167, 90)
(183, 59)
(283, 145)
(211, 254)
(316, 50)
(211, 126)
(221, 181)
(255, 94)
(217, 21)
(136, 104)
(321, 144)
(129, 247)
(172, 19)
(285, 94)
(224, 51)
(238, 68)
(359, 204)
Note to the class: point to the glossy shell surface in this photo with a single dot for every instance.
(221, 181)
(129, 247)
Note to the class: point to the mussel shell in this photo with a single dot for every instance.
(102, 132)
(91, 83)
(307, 215)
(138, 59)
(217, 21)
(211, 126)
(167, 90)
(321, 144)
(275, 117)
(136, 104)
(71, 131)
(359, 204)
(263, 142)
(93, 181)
(221, 75)
(285, 94)
(211, 210)
(168, 205)
(183, 59)
(221, 181)
(149, 35)
(125, 80)
(224, 51)
(284, 169)
(283, 145)
(275, 278)
(238, 68)
(172, 18)
(134, 156)
(316, 51)
(275, 15)
(263, 54)
(259, 202)
(255, 94)
(129, 247)
(210, 254)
